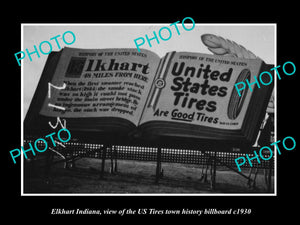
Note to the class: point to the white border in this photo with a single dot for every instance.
(150, 194)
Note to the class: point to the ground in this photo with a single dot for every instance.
(135, 177)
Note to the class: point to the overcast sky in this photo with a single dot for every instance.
(258, 38)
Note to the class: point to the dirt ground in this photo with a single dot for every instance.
(136, 177)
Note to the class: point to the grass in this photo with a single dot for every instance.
(134, 177)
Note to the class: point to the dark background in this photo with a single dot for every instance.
(33, 209)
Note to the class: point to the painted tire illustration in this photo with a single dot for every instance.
(236, 102)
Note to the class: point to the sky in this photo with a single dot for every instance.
(258, 38)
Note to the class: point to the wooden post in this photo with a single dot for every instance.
(111, 160)
(116, 156)
(73, 159)
(104, 148)
(213, 176)
(271, 163)
(158, 165)
(49, 158)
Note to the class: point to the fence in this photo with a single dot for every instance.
(185, 156)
